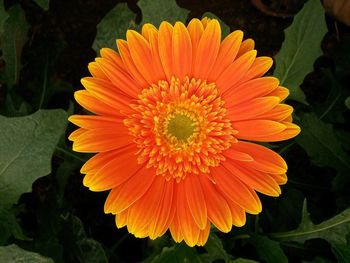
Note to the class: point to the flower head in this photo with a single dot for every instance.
(174, 110)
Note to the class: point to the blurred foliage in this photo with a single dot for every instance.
(45, 213)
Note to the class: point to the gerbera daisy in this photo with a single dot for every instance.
(174, 110)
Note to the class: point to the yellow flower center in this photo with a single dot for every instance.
(180, 128)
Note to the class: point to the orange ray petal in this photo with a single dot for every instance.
(102, 140)
(281, 179)
(265, 160)
(227, 53)
(165, 37)
(236, 190)
(182, 51)
(96, 71)
(280, 92)
(120, 79)
(140, 51)
(124, 52)
(175, 229)
(133, 189)
(238, 213)
(257, 130)
(250, 109)
(207, 51)
(92, 104)
(259, 181)
(157, 64)
(234, 72)
(121, 219)
(218, 210)
(249, 90)
(97, 161)
(195, 29)
(142, 212)
(247, 45)
(75, 134)
(204, 235)
(195, 200)
(291, 131)
(238, 155)
(259, 67)
(94, 121)
(279, 113)
(159, 222)
(109, 175)
(189, 228)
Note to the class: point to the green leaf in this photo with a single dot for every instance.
(12, 41)
(113, 26)
(178, 254)
(243, 260)
(155, 12)
(300, 48)
(15, 254)
(44, 4)
(320, 142)
(3, 17)
(342, 252)
(333, 230)
(269, 250)
(347, 102)
(26, 147)
(215, 249)
(225, 29)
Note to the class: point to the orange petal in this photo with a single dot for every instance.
(238, 155)
(218, 210)
(235, 190)
(113, 57)
(121, 219)
(207, 51)
(281, 179)
(92, 104)
(265, 160)
(175, 229)
(124, 52)
(227, 53)
(96, 71)
(204, 235)
(249, 90)
(75, 134)
(142, 212)
(93, 121)
(165, 37)
(157, 64)
(195, 29)
(196, 201)
(259, 67)
(182, 51)
(291, 131)
(159, 222)
(279, 113)
(247, 45)
(131, 190)
(250, 109)
(102, 140)
(109, 175)
(141, 54)
(189, 228)
(257, 130)
(97, 161)
(147, 29)
(120, 79)
(234, 72)
(259, 181)
(280, 92)
(238, 213)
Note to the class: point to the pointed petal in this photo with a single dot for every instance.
(195, 29)
(278, 113)
(175, 230)
(280, 92)
(196, 201)
(182, 51)
(96, 71)
(234, 189)
(165, 37)
(234, 72)
(204, 235)
(259, 67)
(227, 53)
(121, 219)
(238, 213)
(207, 51)
(218, 210)
(247, 45)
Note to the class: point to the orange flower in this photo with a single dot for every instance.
(173, 113)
